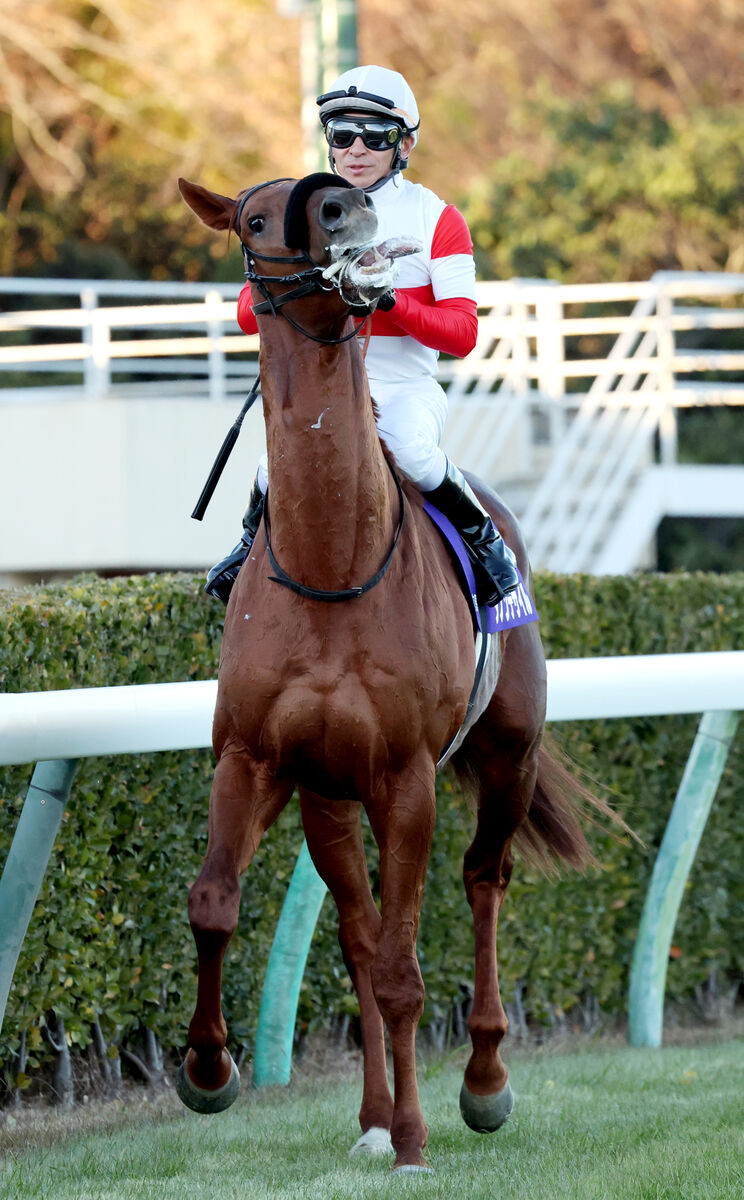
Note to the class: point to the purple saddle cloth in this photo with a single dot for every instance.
(515, 609)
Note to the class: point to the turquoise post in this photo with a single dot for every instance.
(27, 860)
(281, 990)
(671, 870)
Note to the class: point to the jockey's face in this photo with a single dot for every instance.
(364, 167)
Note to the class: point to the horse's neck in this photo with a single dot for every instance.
(329, 500)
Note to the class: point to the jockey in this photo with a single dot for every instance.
(370, 120)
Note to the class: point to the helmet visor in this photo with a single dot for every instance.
(342, 132)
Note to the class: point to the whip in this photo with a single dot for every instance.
(224, 453)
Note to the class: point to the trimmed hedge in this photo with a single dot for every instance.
(110, 941)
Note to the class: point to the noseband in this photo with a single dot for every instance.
(309, 281)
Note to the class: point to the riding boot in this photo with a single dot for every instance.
(221, 578)
(493, 561)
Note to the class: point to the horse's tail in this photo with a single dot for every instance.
(553, 831)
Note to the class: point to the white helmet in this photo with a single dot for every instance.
(376, 91)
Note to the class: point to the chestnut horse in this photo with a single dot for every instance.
(352, 702)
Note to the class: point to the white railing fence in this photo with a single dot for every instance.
(577, 385)
(59, 727)
(111, 339)
(145, 718)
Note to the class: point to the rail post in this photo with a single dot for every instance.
(27, 860)
(215, 330)
(286, 966)
(672, 867)
(550, 353)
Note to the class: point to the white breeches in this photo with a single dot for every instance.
(411, 419)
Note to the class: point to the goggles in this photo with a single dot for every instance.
(341, 133)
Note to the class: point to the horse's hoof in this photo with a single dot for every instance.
(486, 1114)
(203, 1101)
(411, 1169)
(374, 1141)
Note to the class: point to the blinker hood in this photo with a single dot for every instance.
(296, 232)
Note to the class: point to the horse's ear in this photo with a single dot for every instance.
(216, 211)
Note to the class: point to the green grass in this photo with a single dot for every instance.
(590, 1125)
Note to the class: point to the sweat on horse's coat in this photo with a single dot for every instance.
(352, 702)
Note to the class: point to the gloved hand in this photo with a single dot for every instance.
(386, 301)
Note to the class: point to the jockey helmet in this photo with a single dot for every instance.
(374, 92)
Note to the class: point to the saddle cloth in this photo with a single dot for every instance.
(515, 609)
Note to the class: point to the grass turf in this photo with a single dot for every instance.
(614, 1124)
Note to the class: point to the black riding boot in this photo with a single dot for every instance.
(221, 578)
(495, 571)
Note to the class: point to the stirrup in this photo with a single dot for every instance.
(221, 578)
(495, 573)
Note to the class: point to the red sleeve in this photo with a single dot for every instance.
(449, 326)
(246, 317)
(451, 235)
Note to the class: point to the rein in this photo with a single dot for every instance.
(311, 593)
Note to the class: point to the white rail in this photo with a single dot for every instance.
(576, 386)
(138, 719)
(60, 727)
(525, 347)
(630, 404)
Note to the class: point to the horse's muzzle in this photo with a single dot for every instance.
(345, 218)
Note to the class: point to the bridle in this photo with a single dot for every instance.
(310, 281)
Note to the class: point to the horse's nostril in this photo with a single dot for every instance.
(331, 213)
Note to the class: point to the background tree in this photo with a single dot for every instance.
(104, 104)
(610, 190)
(583, 139)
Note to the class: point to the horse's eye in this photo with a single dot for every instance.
(256, 224)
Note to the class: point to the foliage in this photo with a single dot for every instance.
(701, 544)
(110, 939)
(104, 105)
(610, 190)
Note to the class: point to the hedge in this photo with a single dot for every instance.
(110, 944)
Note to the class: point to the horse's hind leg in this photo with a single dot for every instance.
(502, 753)
(333, 832)
(244, 802)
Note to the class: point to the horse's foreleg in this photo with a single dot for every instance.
(244, 802)
(403, 823)
(333, 832)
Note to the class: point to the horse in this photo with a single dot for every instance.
(346, 666)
